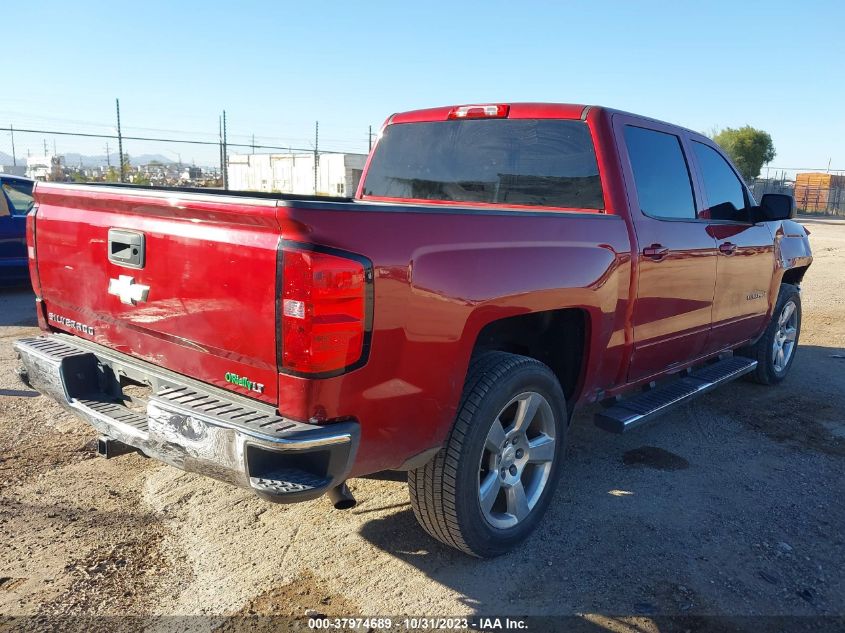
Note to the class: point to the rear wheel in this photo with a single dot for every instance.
(775, 350)
(489, 486)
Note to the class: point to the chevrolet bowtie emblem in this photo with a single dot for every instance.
(129, 292)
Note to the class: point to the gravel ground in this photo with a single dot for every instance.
(731, 506)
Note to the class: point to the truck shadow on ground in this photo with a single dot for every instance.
(17, 307)
(720, 508)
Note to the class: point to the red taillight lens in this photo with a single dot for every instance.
(324, 312)
(30, 251)
(491, 111)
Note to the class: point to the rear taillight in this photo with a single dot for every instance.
(30, 251)
(325, 311)
(491, 111)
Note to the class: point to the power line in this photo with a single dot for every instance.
(286, 148)
(805, 168)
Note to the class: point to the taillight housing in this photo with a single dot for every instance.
(30, 251)
(326, 311)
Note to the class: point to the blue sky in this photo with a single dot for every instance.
(276, 67)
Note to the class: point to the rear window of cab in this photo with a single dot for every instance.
(520, 162)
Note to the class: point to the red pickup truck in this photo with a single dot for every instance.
(500, 266)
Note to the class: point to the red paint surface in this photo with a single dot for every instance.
(441, 273)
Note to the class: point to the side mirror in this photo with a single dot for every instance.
(775, 206)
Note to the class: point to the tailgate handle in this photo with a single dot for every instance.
(126, 248)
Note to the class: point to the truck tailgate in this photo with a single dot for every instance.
(199, 295)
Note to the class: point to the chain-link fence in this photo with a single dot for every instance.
(824, 198)
(177, 159)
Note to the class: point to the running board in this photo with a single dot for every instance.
(632, 412)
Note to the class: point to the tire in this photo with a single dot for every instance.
(781, 335)
(446, 493)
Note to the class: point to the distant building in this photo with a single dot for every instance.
(337, 174)
(191, 173)
(14, 170)
(48, 167)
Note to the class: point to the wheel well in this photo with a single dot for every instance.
(794, 275)
(556, 338)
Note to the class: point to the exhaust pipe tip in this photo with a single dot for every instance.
(341, 497)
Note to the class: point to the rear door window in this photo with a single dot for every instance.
(661, 175)
(534, 162)
(725, 193)
(19, 196)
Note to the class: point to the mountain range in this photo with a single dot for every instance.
(73, 159)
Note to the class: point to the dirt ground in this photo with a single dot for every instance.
(731, 506)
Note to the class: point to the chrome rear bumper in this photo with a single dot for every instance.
(189, 424)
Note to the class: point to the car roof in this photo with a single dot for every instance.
(13, 177)
(540, 110)
(516, 110)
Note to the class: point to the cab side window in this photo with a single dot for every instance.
(4, 206)
(18, 196)
(725, 192)
(661, 175)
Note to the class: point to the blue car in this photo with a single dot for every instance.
(15, 202)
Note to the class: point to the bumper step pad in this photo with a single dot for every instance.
(635, 411)
(191, 425)
(288, 480)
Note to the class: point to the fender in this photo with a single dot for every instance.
(517, 279)
(792, 251)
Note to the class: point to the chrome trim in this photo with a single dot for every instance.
(213, 442)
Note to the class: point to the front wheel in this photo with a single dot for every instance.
(775, 350)
(489, 486)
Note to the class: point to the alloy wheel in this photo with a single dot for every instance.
(517, 459)
(783, 345)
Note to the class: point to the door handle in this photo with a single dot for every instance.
(656, 252)
(728, 248)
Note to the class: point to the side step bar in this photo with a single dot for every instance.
(632, 412)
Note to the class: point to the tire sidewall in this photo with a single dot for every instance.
(480, 533)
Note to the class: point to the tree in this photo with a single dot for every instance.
(749, 149)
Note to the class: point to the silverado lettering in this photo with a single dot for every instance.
(70, 323)
(500, 266)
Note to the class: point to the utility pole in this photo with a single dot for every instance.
(108, 156)
(44, 140)
(370, 139)
(225, 156)
(316, 153)
(14, 160)
(120, 142)
(253, 143)
(220, 143)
